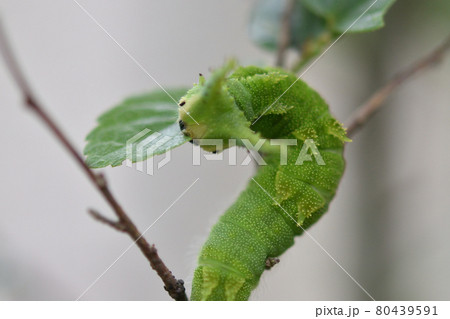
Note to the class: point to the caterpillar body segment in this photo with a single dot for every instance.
(283, 198)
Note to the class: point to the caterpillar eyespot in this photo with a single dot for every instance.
(281, 200)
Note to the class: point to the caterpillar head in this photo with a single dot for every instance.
(208, 111)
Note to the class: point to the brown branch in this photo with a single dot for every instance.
(285, 33)
(117, 225)
(174, 287)
(373, 104)
(271, 261)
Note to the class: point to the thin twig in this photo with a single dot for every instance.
(373, 104)
(271, 261)
(117, 225)
(285, 33)
(174, 287)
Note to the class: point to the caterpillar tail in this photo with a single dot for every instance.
(287, 195)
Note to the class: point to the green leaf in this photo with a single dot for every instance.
(265, 24)
(146, 122)
(314, 23)
(340, 14)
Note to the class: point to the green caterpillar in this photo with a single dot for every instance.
(281, 200)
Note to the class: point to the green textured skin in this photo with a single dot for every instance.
(255, 227)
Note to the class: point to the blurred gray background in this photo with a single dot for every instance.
(388, 225)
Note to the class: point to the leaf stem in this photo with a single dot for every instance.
(174, 287)
(285, 33)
